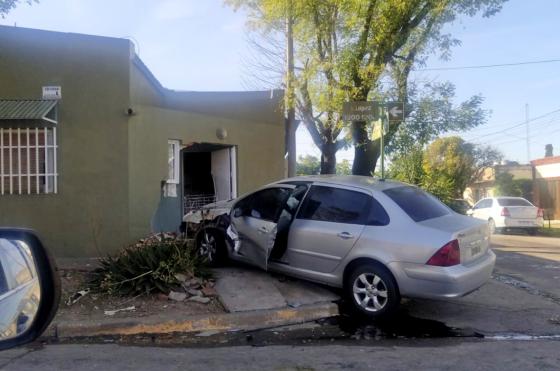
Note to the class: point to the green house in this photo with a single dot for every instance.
(95, 153)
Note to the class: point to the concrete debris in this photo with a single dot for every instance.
(199, 299)
(209, 291)
(177, 296)
(194, 292)
(113, 312)
(76, 297)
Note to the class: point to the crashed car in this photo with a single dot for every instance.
(378, 240)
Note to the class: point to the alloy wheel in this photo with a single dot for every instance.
(207, 246)
(370, 292)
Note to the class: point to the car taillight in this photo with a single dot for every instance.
(446, 256)
(540, 213)
(505, 212)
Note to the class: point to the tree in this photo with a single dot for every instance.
(311, 165)
(308, 165)
(445, 167)
(7, 5)
(344, 48)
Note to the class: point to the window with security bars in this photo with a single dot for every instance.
(28, 161)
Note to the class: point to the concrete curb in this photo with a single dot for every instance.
(251, 320)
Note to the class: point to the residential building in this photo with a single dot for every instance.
(95, 153)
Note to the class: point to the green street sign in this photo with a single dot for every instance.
(360, 111)
(395, 111)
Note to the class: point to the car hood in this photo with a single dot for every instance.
(209, 211)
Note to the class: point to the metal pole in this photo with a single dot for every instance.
(527, 128)
(382, 121)
(291, 126)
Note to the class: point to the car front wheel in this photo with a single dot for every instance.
(372, 290)
(211, 246)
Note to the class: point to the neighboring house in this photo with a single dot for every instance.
(117, 155)
(485, 185)
(546, 185)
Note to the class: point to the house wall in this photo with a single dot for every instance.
(260, 149)
(89, 215)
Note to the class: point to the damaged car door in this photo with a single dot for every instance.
(254, 222)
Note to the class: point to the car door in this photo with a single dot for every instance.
(482, 209)
(328, 224)
(254, 223)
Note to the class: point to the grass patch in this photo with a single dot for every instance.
(549, 232)
(150, 265)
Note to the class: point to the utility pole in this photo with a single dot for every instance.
(291, 125)
(527, 133)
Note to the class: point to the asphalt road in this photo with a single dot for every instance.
(513, 322)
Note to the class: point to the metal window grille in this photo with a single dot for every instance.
(28, 161)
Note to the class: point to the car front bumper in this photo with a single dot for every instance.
(425, 281)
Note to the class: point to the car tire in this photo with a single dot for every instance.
(372, 291)
(211, 246)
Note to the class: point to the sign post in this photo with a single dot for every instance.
(370, 111)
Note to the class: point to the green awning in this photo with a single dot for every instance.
(28, 110)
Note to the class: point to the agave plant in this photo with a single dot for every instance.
(150, 265)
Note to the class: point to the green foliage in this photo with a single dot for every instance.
(7, 5)
(444, 168)
(311, 165)
(148, 266)
(505, 185)
(354, 50)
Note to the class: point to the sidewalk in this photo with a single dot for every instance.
(250, 299)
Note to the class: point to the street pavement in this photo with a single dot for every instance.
(513, 322)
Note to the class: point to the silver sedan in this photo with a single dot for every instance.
(378, 240)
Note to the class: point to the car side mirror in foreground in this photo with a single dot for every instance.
(29, 287)
(237, 212)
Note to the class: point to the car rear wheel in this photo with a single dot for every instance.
(211, 246)
(532, 231)
(372, 290)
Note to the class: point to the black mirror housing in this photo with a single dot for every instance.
(42, 269)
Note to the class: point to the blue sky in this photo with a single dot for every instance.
(200, 45)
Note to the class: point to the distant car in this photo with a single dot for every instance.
(508, 213)
(460, 206)
(378, 240)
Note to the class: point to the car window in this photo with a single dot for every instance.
(418, 204)
(267, 204)
(335, 205)
(484, 204)
(513, 202)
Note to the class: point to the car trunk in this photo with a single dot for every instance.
(471, 234)
(522, 212)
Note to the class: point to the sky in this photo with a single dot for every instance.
(202, 45)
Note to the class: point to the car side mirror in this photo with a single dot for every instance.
(29, 287)
(470, 211)
(237, 212)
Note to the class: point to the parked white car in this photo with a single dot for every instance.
(512, 213)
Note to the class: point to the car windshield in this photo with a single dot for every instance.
(513, 202)
(418, 204)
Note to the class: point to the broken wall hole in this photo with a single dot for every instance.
(209, 174)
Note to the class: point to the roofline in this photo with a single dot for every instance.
(546, 161)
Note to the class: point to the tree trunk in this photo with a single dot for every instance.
(366, 152)
(328, 158)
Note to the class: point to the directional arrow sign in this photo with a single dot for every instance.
(396, 111)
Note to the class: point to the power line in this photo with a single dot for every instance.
(516, 125)
(488, 65)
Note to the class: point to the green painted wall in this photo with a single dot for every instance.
(260, 148)
(110, 164)
(89, 215)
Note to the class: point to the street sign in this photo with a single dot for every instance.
(395, 111)
(52, 92)
(360, 111)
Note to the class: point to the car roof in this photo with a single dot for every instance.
(366, 182)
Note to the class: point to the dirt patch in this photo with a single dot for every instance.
(92, 306)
